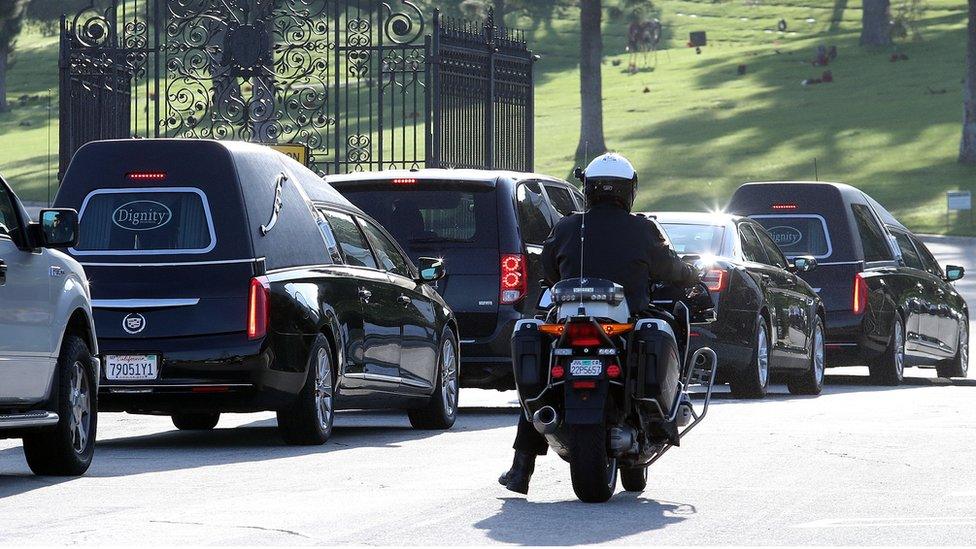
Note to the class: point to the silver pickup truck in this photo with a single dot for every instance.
(48, 370)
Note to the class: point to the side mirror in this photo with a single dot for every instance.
(545, 300)
(803, 264)
(58, 228)
(431, 269)
(954, 272)
(578, 173)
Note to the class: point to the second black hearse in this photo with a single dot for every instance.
(226, 277)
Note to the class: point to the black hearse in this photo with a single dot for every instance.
(228, 278)
(488, 226)
(889, 303)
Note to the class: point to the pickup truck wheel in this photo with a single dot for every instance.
(753, 381)
(958, 366)
(890, 368)
(442, 408)
(811, 381)
(195, 422)
(67, 449)
(308, 421)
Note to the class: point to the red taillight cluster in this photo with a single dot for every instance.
(146, 176)
(514, 283)
(859, 301)
(258, 309)
(405, 181)
(583, 334)
(558, 372)
(788, 206)
(716, 280)
(614, 371)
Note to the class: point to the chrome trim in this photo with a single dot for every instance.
(151, 190)
(143, 303)
(174, 385)
(412, 383)
(175, 264)
(15, 421)
(468, 341)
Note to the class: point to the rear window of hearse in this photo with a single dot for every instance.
(798, 234)
(145, 222)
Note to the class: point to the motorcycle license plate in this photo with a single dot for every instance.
(586, 367)
(131, 367)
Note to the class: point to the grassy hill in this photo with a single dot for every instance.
(694, 127)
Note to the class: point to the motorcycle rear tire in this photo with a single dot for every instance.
(633, 479)
(594, 474)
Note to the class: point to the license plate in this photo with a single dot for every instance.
(586, 367)
(131, 367)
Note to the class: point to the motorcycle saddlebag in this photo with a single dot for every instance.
(529, 358)
(655, 363)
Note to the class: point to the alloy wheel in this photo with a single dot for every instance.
(449, 377)
(899, 342)
(323, 388)
(762, 358)
(964, 347)
(79, 399)
(819, 355)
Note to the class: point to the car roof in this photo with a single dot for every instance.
(487, 177)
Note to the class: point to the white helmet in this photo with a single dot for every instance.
(610, 177)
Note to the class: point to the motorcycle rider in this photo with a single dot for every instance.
(617, 245)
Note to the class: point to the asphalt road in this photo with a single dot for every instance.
(857, 465)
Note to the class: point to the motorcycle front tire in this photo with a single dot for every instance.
(594, 474)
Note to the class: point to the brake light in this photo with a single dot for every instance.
(716, 280)
(859, 301)
(788, 206)
(514, 283)
(558, 372)
(557, 330)
(146, 176)
(258, 311)
(584, 385)
(583, 334)
(613, 371)
(405, 181)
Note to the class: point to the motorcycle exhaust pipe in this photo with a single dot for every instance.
(545, 420)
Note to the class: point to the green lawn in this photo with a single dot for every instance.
(694, 127)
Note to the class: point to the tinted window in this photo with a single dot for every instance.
(928, 260)
(331, 244)
(145, 221)
(908, 252)
(8, 217)
(355, 251)
(772, 252)
(430, 212)
(872, 236)
(797, 234)
(695, 239)
(389, 256)
(532, 217)
(562, 200)
(752, 249)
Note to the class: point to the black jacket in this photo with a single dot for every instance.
(625, 248)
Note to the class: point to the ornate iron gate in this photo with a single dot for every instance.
(347, 78)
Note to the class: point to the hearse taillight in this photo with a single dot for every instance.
(859, 301)
(258, 309)
(514, 283)
(405, 181)
(785, 206)
(146, 176)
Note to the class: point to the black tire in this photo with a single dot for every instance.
(811, 381)
(195, 422)
(593, 473)
(957, 366)
(752, 382)
(67, 449)
(441, 410)
(309, 419)
(633, 479)
(889, 368)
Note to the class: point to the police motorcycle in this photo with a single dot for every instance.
(609, 390)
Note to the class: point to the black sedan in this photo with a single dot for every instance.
(768, 320)
(227, 277)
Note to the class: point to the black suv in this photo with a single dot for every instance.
(227, 277)
(489, 227)
(889, 303)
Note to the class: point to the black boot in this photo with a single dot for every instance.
(517, 478)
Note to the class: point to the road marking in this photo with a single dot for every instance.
(889, 522)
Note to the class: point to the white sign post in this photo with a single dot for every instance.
(957, 201)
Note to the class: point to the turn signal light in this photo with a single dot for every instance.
(557, 330)
(258, 309)
(514, 279)
(859, 301)
(558, 372)
(716, 280)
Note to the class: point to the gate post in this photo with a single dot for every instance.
(490, 103)
(434, 108)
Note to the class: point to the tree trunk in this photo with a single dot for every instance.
(499, 6)
(875, 23)
(967, 147)
(3, 80)
(591, 141)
